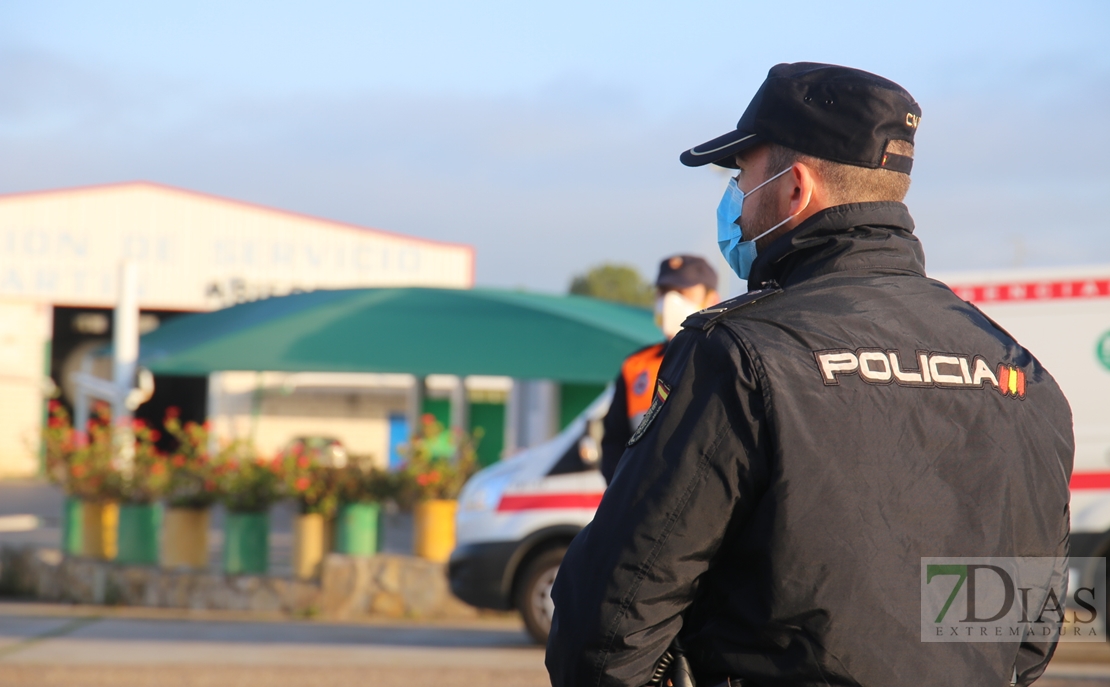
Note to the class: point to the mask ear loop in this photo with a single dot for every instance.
(765, 182)
(790, 217)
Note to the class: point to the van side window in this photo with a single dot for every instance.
(571, 462)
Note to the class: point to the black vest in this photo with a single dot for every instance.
(903, 424)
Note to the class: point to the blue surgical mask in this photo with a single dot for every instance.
(738, 253)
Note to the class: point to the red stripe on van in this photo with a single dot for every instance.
(1090, 480)
(541, 501)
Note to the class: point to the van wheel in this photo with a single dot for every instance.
(533, 595)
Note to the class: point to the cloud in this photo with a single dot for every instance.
(548, 183)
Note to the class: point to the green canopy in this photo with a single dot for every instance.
(414, 330)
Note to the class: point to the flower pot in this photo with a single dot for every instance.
(99, 529)
(311, 538)
(138, 533)
(358, 529)
(71, 526)
(185, 538)
(434, 529)
(246, 543)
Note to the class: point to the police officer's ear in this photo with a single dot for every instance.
(803, 194)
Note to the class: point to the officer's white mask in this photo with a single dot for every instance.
(671, 309)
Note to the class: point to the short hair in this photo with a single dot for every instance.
(849, 183)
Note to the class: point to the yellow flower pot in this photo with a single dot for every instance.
(312, 536)
(100, 529)
(434, 529)
(185, 538)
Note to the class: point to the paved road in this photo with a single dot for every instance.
(49, 646)
(45, 645)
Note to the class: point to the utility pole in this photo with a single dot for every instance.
(125, 359)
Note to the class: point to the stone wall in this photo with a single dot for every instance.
(349, 586)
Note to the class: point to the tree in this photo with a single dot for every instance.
(617, 283)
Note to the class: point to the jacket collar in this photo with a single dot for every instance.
(873, 237)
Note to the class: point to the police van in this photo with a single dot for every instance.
(1062, 316)
(517, 517)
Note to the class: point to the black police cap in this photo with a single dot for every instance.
(684, 271)
(833, 113)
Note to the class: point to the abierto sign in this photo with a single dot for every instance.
(994, 599)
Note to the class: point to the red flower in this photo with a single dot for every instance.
(427, 418)
(155, 435)
(54, 422)
(179, 461)
(138, 424)
(158, 468)
(303, 462)
(428, 478)
(77, 471)
(302, 484)
(173, 412)
(54, 405)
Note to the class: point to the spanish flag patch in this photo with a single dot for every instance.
(662, 391)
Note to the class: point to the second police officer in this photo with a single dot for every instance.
(685, 285)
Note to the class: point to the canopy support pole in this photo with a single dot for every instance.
(416, 402)
(460, 407)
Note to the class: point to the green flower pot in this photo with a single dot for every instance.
(71, 526)
(139, 524)
(358, 529)
(246, 543)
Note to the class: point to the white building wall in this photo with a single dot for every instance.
(24, 336)
(199, 252)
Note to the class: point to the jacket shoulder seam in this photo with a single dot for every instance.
(707, 318)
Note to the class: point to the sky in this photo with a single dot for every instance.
(547, 135)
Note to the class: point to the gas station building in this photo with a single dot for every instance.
(60, 257)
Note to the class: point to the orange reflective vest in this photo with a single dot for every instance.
(638, 373)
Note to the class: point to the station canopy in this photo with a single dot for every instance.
(419, 331)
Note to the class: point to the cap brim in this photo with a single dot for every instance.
(720, 150)
(675, 282)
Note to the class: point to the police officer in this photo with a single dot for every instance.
(686, 284)
(810, 442)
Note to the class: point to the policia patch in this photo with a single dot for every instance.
(662, 391)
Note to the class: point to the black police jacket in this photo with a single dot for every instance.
(809, 444)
